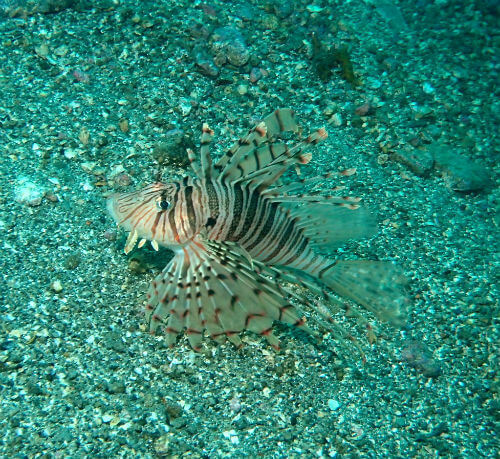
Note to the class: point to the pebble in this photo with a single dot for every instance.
(229, 46)
(417, 356)
(84, 136)
(56, 286)
(185, 107)
(242, 89)
(333, 404)
(70, 153)
(171, 149)
(107, 418)
(28, 192)
(428, 88)
(123, 179)
(420, 162)
(363, 109)
(459, 172)
(256, 74)
(124, 125)
(205, 63)
(336, 119)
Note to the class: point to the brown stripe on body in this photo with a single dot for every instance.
(247, 216)
(188, 196)
(221, 212)
(238, 219)
(251, 226)
(261, 220)
(237, 210)
(171, 215)
(200, 203)
(155, 224)
(262, 249)
(284, 233)
(181, 214)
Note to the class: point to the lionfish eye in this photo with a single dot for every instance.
(162, 203)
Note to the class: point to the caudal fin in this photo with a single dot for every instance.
(376, 285)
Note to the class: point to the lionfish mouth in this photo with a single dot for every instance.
(134, 219)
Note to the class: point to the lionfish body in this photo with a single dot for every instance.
(239, 238)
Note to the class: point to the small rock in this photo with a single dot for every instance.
(459, 172)
(28, 192)
(116, 387)
(416, 355)
(80, 76)
(50, 196)
(229, 45)
(364, 110)
(162, 446)
(171, 149)
(333, 404)
(185, 106)
(107, 418)
(428, 88)
(33, 388)
(205, 63)
(420, 162)
(42, 50)
(173, 409)
(110, 235)
(123, 179)
(256, 74)
(56, 286)
(336, 119)
(242, 89)
(72, 261)
(124, 125)
(70, 153)
(178, 423)
(84, 136)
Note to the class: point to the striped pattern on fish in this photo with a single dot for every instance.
(239, 238)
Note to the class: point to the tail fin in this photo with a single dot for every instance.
(376, 285)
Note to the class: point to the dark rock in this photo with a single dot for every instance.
(419, 162)
(113, 340)
(178, 423)
(171, 149)
(115, 387)
(229, 46)
(283, 9)
(460, 173)
(205, 63)
(33, 388)
(72, 261)
(417, 356)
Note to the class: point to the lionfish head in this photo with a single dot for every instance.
(145, 213)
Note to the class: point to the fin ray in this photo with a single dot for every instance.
(211, 286)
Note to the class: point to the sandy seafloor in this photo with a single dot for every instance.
(92, 92)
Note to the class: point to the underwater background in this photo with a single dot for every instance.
(99, 96)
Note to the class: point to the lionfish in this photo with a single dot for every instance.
(241, 240)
